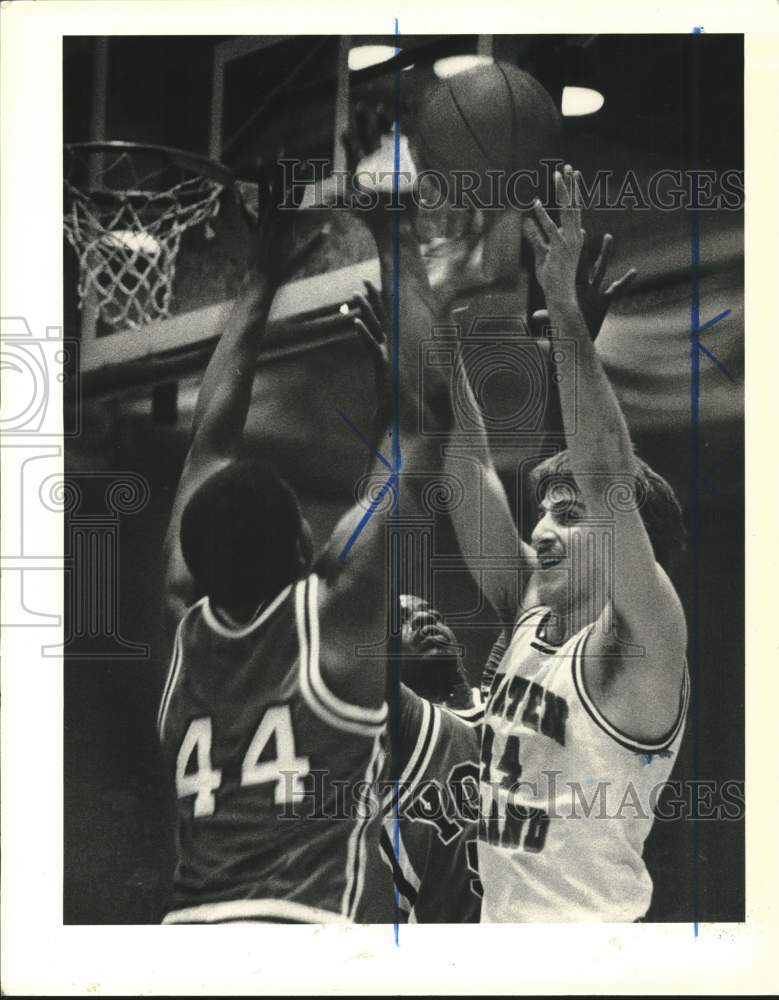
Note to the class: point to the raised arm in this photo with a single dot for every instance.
(641, 695)
(225, 392)
(500, 561)
(355, 566)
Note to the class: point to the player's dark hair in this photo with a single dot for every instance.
(243, 535)
(660, 510)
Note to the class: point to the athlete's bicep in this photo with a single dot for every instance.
(644, 600)
(353, 628)
(634, 668)
(500, 562)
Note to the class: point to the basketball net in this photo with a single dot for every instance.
(125, 219)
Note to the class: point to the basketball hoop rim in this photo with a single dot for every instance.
(204, 165)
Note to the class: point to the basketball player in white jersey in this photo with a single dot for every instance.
(585, 710)
(272, 726)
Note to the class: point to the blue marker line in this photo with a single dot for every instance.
(695, 458)
(716, 360)
(394, 594)
(388, 485)
(710, 323)
(356, 430)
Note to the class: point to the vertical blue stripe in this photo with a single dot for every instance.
(695, 454)
(394, 589)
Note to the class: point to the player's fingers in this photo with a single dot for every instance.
(547, 228)
(600, 265)
(620, 286)
(576, 191)
(570, 215)
(571, 180)
(368, 339)
(373, 295)
(563, 186)
(533, 234)
(377, 304)
(369, 317)
(539, 322)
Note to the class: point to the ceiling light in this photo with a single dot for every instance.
(452, 65)
(580, 101)
(363, 56)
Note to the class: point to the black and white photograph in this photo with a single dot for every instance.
(396, 447)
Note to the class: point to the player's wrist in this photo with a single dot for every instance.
(563, 305)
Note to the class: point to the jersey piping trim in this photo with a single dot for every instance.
(404, 877)
(363, 721)
(236, 909)
(603, 723)
(356, 855)
(473, 717)
(427, 738)
(211, 620)
(173, 675)
(338, 706)
(525, 618)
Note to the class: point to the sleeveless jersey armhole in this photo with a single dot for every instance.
(600, 720)
(328, 706)
(173, 670)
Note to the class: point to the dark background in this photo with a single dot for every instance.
(118, 808)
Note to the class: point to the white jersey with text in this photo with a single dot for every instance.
(566, 798)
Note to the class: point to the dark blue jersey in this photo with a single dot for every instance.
(277, 816)
(429, 840)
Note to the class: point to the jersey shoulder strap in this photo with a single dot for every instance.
(174, 669)
(321, 700)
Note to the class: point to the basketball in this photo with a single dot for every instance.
(494, 117)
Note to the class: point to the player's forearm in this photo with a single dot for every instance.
(225, 392)
(597, 435)
(411, 304)
(406, 287)
(484, 525)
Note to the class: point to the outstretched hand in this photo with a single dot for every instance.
(592, 292)
(370, 327)
(557, 250)
(455, 265)
(594, 295)
(376, 182)
(277, 252)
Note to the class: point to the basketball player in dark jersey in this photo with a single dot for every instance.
(429, 836)
(272, 726)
